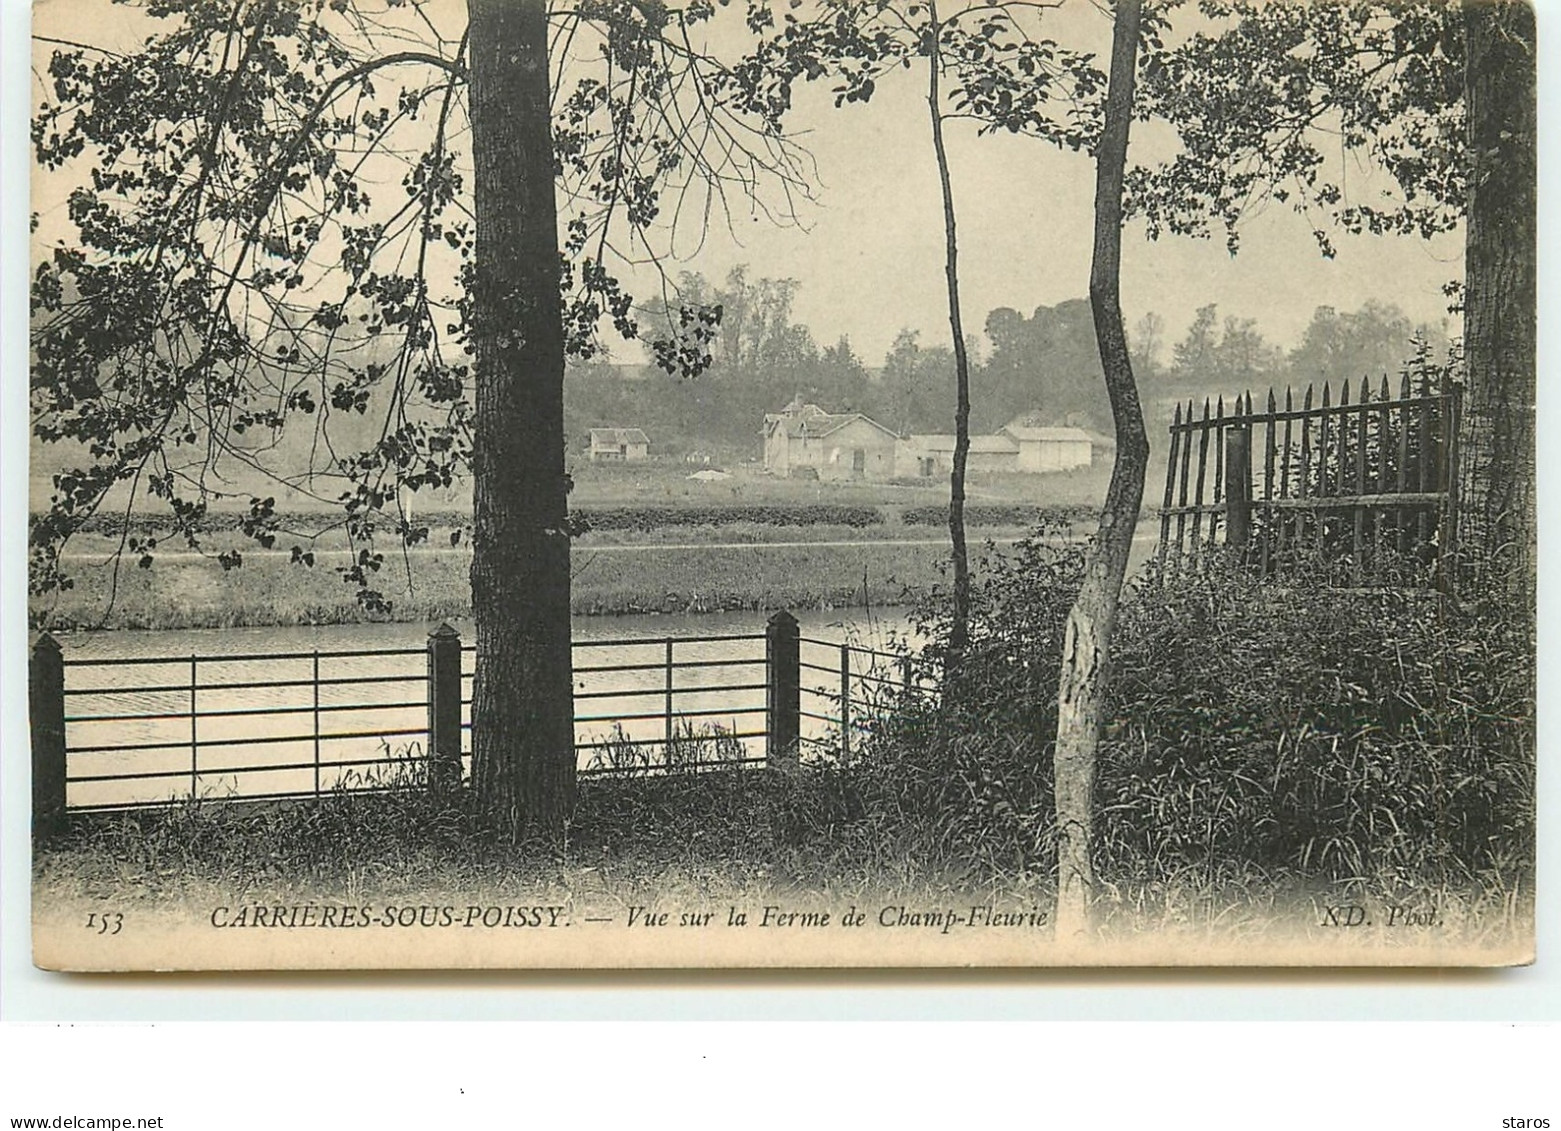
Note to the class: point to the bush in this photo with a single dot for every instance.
(604, 518)
(1000, 514)
(1341, 734)
(779, 514)
(966, 772)
(382, 818)
(1276, 725)
(378, 839)
(694, 745)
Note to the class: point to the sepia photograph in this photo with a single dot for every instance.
(699, 484)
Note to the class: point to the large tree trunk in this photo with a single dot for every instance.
(523, 764)
(1497, 457)
(959, 621)
(1086, 650)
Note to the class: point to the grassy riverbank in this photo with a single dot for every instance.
(608, 578)
(685, 845)
(669, 569)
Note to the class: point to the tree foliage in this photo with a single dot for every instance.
(997, 68)
(1280, 101)
(267, 267)
(1351, 344)
(1048, 361)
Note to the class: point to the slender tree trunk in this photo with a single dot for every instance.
(1497, 457)
(959, 625)
(1086, 650)
(523, 764)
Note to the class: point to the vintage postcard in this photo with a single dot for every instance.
(805, 484)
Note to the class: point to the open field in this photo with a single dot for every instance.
(667, 483)
(658, 483)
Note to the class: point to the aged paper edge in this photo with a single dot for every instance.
(62, 944)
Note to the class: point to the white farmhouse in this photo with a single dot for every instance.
(803, 439)
(922, 456)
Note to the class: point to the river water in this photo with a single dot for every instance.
(277, 710)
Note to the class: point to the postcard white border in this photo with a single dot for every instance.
(1532, 993)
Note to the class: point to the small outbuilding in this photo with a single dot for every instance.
(619, 444)
(1049, 448)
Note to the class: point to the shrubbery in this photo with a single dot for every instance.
(604, 518)
(968, 774)
(1343, 734)
(1276, 725)
(762, 514)
(647, 518)
(999, 514)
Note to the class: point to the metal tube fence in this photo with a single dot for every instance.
(123, 733)
(850, 691)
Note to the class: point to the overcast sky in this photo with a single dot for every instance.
(871, 260)
(869, 253)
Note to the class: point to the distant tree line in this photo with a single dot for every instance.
(1046, 362)
(1232, 353)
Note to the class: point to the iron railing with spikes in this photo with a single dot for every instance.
(1362, 489)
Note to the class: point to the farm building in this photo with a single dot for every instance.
(1018, 446)
(1049, 449)
(833, 445)
(924, 456)
(619, 444)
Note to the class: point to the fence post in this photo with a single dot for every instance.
(444, 708)
(783, 697)
(1238, 487)
(195, 729)
(845, 701)
(314, 680)
(668, 721)
(46, 711)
